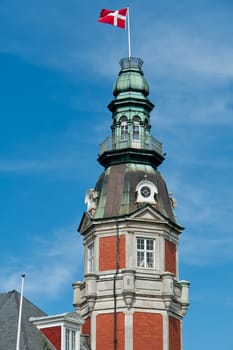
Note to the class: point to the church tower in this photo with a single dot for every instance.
(131, 297)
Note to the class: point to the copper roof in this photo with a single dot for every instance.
(116, 190)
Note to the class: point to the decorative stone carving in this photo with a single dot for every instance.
(91, 289)
(90, 201)
(172, 200)
(128, 291)
(77, 293)
(185, 285)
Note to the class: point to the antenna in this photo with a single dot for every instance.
(20, 311)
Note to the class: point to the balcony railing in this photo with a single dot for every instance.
(150, 143)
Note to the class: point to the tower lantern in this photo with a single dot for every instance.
(131, 294)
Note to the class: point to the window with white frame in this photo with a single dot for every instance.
(146, 253)
(70, 339)
(91, 258)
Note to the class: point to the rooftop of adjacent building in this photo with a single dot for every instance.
(31, 338)
(9, 312)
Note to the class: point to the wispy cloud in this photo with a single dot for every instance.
(204, 209)
(56, 153)
(21, 166)
(194, 57)
(178, 109)
(50, 265)
(191, 48)
(52, 35)
(206, 251)
(47, 33)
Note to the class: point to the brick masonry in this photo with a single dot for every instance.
(86, 327)
(170, 257)
(147, 331)
(107, 253)
(105, 331)
(174, 334)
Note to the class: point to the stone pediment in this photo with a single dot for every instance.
(85, 223)
(148, 213)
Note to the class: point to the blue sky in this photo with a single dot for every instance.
(57, 69)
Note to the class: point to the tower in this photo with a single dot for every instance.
(131, 297)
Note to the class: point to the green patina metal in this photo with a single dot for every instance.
(131, 140)
(132, 174)
(131, 108)
(102, 193)
(131, 78)
(131, 154)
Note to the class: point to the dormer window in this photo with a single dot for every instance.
(61, 331)
(146, 192)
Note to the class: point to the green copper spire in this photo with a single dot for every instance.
(131, 140)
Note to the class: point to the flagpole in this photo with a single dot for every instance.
(20, 312)
(129, 39)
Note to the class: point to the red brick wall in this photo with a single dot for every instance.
(86, 327)
(147, 331)
(170, 257)
(105, 331)
(107, 253)
(174, 334)
(53, 334)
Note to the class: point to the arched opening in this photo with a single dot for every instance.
(136, 131)
(124, 129)
(136, 128)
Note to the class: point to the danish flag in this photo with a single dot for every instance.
(115, 17)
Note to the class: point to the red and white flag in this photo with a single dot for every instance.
(116, 18)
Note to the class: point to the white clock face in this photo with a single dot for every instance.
(145, 191)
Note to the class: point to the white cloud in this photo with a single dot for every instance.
(30, 166)
(205, 251)
(194, 50)
(56, 152)
(204, 208)
(50, 265)
(201, 202)
(193, 108)
(56, 36)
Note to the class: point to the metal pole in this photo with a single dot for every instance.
(129, 39)
(20, 311)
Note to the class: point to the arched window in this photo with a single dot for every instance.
(136, 128)
(124, 129)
